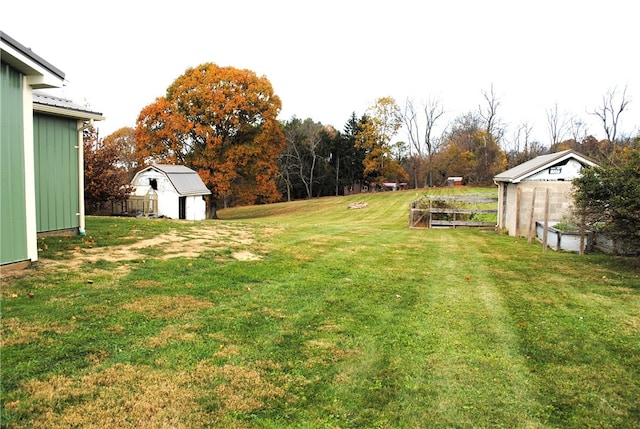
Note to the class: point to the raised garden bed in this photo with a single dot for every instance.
(562, 238)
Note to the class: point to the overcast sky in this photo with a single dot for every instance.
(327, 59)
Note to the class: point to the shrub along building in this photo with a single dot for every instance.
(42, 168)
(173, 191)
(537, 189)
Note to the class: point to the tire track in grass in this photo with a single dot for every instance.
(479, 375)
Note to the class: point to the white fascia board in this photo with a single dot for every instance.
(38, 77)
(60, 111)
(44, 81)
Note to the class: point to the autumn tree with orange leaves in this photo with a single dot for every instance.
(469, 151)
(220, 121)
(380, 124)
(124, 143)
(105, 180)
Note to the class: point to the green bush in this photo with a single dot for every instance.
(608, 200)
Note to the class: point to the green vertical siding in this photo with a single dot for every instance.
(13, 211)
(56, 168)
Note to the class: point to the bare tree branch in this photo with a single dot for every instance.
(578, 129)
(557, 126)
(410, 121)
(425, 145)
(609, 112)
(433, 111)
(490, 115)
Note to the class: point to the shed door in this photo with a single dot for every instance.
(182, 207)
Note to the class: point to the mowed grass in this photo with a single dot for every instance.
(343, 318)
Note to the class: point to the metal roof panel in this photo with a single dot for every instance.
(28, 53)
(44, 99)
(528, 168)
(185, 180)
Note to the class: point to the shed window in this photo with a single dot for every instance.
(154, 184)
(555, 170)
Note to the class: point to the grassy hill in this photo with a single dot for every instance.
(312, 314)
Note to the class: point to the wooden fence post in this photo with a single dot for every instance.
(532, 224)
(517, 231)
(546, 221)
(583, 219)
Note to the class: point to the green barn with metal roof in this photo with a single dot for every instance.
(41, 159)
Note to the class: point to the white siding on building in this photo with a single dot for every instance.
(567, 172)
(196, 208)
(154, 181)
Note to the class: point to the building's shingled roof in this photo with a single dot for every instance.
(45, 99)
(528, 168)
(185, 180)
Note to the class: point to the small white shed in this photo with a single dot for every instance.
(522, 190)
(174, 191)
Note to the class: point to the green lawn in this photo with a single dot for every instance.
(313, 315)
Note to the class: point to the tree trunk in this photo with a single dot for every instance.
(338, 175)
(211, 208)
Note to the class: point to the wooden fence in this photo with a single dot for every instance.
(133, 206)
(466, 210)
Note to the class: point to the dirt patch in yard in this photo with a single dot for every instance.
(191, 243)
(245, 255)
